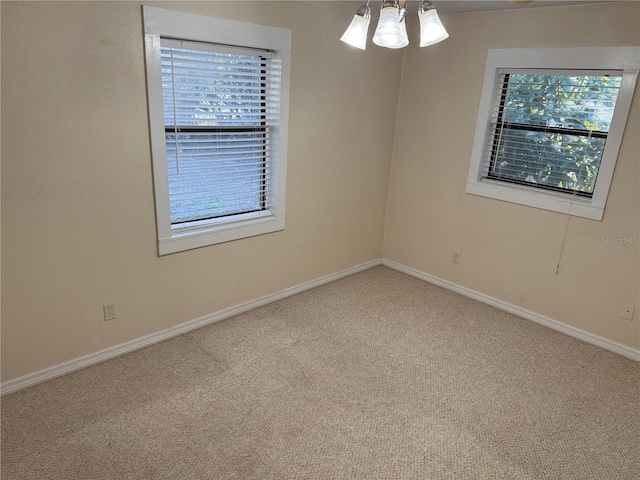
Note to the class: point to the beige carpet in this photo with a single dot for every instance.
(376, 376)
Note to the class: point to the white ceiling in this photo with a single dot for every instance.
(461, 6)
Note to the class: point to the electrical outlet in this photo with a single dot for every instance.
(109, 311)
(627, 311)
(455, 256)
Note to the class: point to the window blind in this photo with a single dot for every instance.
(548, 129)
(221, 127)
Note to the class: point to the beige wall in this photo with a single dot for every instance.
(510, 251)
(77, 201)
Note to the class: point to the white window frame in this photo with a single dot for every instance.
(161, 23)
(623, 59)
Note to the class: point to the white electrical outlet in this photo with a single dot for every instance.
(455, 256)
(109, 311)
(627, 311)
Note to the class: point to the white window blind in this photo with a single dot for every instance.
(221, 113)
(548, 129)
(218, 93)
(550, 126)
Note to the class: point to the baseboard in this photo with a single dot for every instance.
(601, 342)
(59, 370)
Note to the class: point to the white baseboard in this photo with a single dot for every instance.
(59, 370)
(601, 342)
(40, 376)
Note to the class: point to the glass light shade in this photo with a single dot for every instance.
(405, 37)
(403, 28)
(356, 33)
(388, 33)
(431, 29)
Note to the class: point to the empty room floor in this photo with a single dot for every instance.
(375, 376)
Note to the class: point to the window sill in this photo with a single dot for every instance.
(212, 233)
(533, 197)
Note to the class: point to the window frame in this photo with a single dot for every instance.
(623, 59)
(169, 24)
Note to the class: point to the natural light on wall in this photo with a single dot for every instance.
(391, 31)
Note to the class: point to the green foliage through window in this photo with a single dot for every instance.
(550, 129)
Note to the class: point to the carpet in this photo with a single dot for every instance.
(375, 376)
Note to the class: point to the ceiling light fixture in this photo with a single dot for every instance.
(356, 33)
(431, 29)
(391, 31)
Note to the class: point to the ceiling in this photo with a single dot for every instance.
(461, 6)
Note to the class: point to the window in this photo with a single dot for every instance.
(218, 101)
(217, 130)
(550, 126)
(550, 129)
